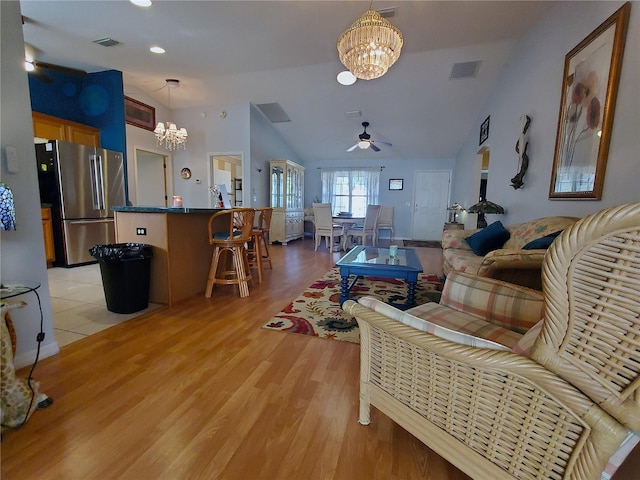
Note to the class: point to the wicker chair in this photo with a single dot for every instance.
(558, 412)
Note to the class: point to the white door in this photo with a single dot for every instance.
(151, 177)
(430, 201)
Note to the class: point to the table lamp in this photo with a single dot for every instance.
(454, 210)
(483, 207)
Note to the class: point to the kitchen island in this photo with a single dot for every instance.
(181, 250)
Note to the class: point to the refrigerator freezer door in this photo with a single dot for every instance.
(80, 181)
(113, 168)
(80, 235)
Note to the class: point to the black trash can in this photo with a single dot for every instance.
(126, 271)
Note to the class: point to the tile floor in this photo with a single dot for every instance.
(78, 304)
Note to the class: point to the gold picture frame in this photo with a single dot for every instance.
(589, 91)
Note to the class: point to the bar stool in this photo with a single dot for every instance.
(231, 239)
(258, 249)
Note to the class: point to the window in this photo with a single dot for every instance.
(350, 190)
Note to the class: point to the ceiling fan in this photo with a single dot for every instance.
(365, 141)
(40, 70)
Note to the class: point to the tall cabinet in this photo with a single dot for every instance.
(287, 200)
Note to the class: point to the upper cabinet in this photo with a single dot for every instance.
(54, 128)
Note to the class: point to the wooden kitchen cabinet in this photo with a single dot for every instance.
(54, 128)
(47, 229)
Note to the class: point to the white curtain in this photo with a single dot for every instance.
(363, 189)
(328, 183)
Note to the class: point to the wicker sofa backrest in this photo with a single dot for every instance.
(591, 332)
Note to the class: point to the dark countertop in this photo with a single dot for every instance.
(165, 209)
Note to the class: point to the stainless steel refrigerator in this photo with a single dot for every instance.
(81, 183)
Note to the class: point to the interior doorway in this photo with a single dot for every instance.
(226, 169)
(430, 200)
(152, 182)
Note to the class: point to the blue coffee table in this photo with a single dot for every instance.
(374, 262)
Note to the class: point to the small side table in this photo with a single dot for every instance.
(453, 226)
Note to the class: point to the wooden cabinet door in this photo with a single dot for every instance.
(54, 128)
(82, 134)
(47, 229)
(45, 126)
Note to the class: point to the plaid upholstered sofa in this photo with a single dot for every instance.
(510, 262)
(507, 382)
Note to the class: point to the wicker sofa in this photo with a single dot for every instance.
(557, 402)
(510, 263)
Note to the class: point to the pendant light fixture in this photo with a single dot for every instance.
(168, 133)
(370, 46)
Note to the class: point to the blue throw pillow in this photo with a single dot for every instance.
(543, 242)
(488, 239)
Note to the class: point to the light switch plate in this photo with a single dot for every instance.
(11, 154)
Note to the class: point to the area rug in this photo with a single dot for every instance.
(422, 243)
(317, 311)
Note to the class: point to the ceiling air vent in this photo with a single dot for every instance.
(465, 69)
(107, 42)
(274, 112)
(353, 114)
(387, 12)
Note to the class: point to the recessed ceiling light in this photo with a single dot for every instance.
(157, 49)
(346, 78)
(141, 3)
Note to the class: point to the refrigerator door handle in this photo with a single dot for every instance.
(97, 180)
(87, 222)
(95, 194)
(100, 179)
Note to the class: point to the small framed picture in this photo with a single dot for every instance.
(139, 114)
(484, 131)
(395, 183)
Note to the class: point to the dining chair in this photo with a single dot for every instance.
(324, 226)
(229, 232)
(367, 229)
(257, 248)
(385, 222)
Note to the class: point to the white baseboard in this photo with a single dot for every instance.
(27, 358)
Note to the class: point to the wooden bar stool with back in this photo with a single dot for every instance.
(229, 232)
(258, 248)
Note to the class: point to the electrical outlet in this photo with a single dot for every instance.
(141, 231)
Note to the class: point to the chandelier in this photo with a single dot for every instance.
(168, 133)
(370, 46)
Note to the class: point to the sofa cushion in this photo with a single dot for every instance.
(504, 304)
(542, 242)
(446, 323)
(523, 233)
(490, 238)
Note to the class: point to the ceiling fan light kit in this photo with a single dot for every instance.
(365, 141)
(370, 46)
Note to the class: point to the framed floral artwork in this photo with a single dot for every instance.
(589, 90)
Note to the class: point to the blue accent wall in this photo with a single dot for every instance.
(96, 99)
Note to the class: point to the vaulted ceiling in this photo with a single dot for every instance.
(285, 52)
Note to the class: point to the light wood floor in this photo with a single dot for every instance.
(201, 391)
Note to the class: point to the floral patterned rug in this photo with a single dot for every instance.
(317, 310)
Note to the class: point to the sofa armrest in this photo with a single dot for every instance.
(449, 395)
(456, 239)
(499, 303)
(510, 258)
